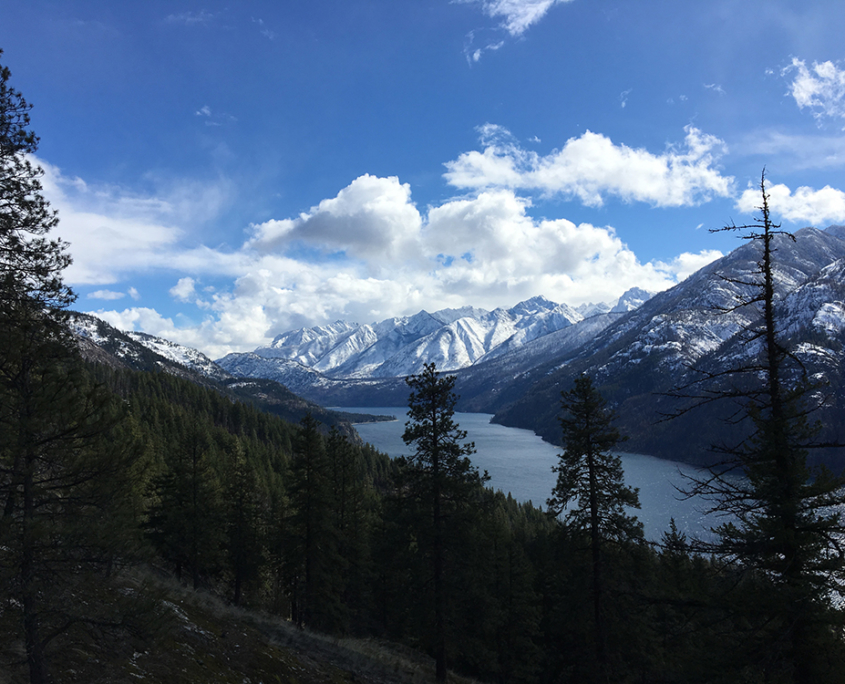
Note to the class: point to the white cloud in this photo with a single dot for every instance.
(820, 87)
(715, 87)
(592, 167)
(371, 217)
(105, 294)
(184, 290)
(805, 205)
(363, 255)
(134, 293)
(368, 254)
(516, 15)
(112, 232)
(688, 263)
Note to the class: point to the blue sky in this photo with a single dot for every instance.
(228, 171)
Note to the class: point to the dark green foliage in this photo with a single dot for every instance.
(66, 467)
(315, 566)
(186, 514)
(354, 504)
(590, 492)
(590, 496)
(441, 486)
(243, 524)
(784, 529)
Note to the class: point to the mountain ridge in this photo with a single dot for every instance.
(397, 347)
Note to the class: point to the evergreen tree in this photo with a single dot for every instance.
(590, 492)
(65, 462)
(314, 565)
(186, 515)
(441, 481)
(31, 264)
(785, 523)
(352, 501)
(242, 520)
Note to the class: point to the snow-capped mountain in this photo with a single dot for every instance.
(129, 347)
(647, 352)
(398, 347)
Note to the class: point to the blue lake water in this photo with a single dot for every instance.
(519, 462)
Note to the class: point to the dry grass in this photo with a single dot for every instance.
(197, 637)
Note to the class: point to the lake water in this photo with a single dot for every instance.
(519, 462)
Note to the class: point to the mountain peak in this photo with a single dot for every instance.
(447, 316)
(632, 299)
(533, 306)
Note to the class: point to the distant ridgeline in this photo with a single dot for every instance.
(514, 363)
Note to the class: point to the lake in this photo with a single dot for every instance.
(519, 462)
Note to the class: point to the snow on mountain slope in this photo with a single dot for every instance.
(292, 374)
(397, 347)
(180, 354)
(700, 323)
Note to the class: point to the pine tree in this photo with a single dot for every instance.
(65, 462)
(31, 264)
(242, 520)
(590, 492)
(351, 507)
(186, 513)
(441, 481)
(314, 564)
(785, 524)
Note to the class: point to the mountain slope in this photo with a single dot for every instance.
(398, 347)
(650, 350)
(99, 342)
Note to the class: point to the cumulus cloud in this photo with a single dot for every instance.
(365, 254)
(516, 15)
(805, 205)
(591, 167)
(371, 218)
(184, 291)
(820, 87)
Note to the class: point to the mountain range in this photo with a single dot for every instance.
(515, 362)
(397, 347)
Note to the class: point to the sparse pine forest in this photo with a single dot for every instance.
(112, 480)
